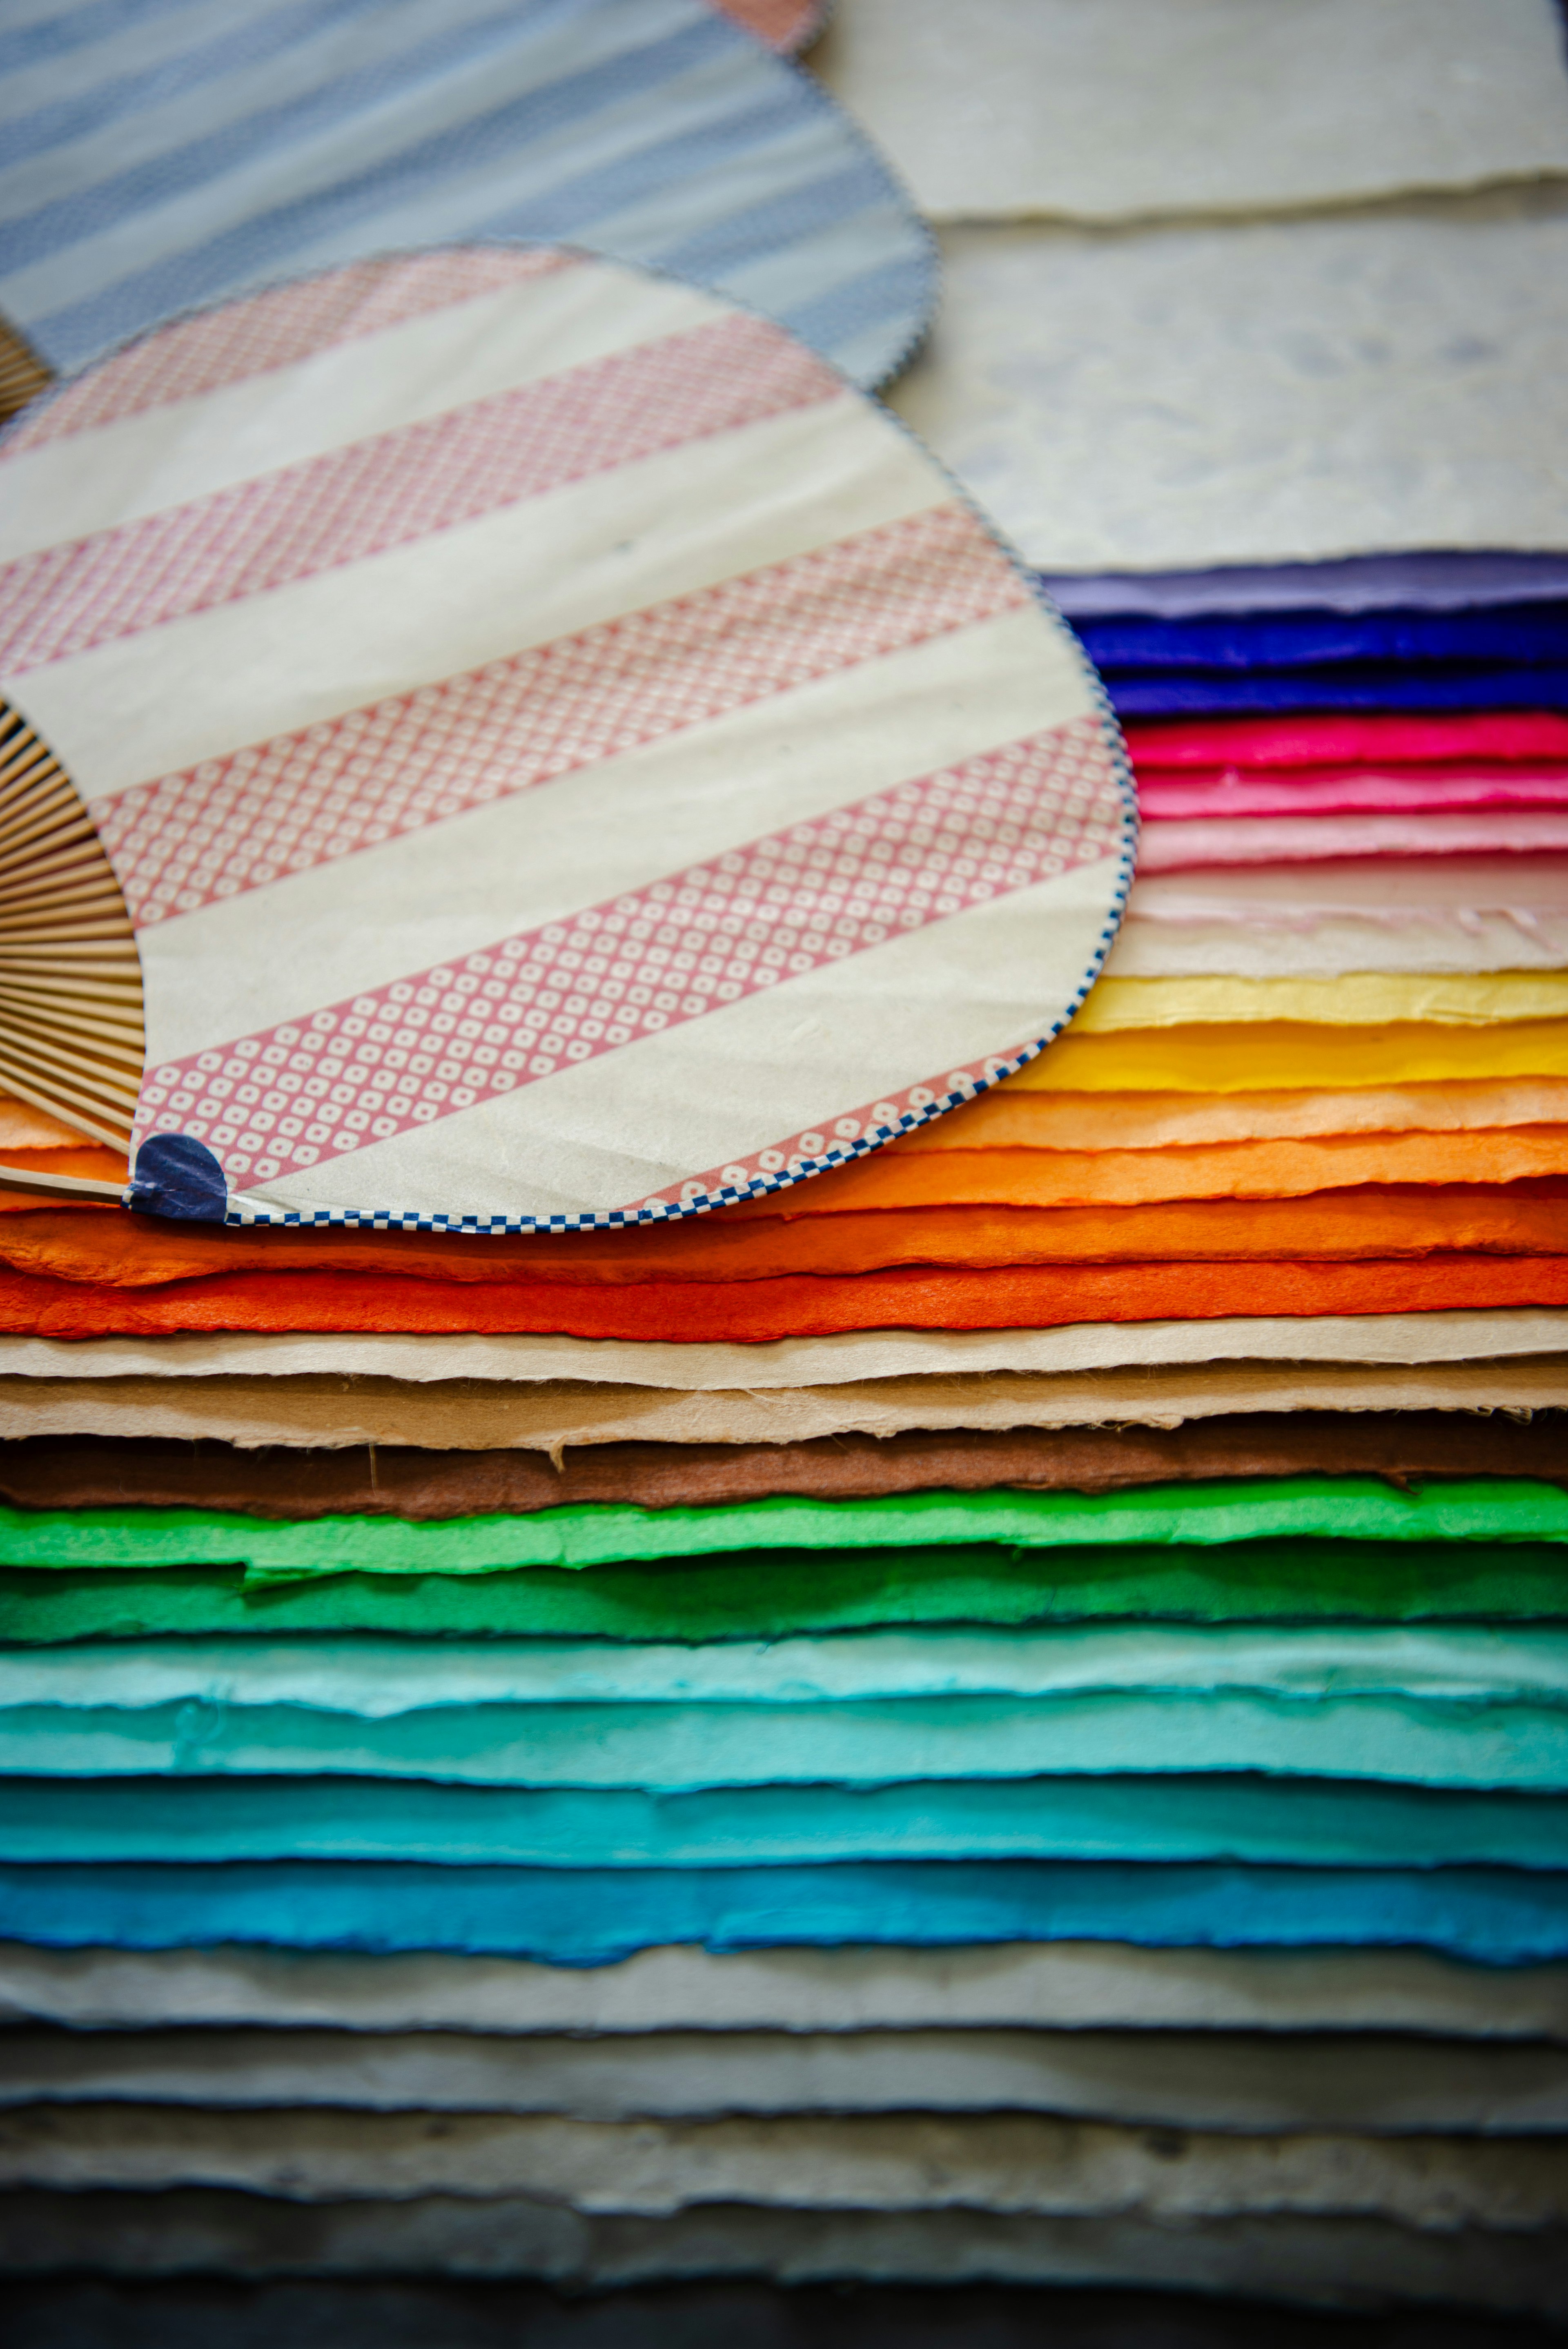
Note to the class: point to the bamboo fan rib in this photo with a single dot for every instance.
(71, 1039)
(23, 374)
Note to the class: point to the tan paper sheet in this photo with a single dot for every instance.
(476, 1414)
(1005, 2162)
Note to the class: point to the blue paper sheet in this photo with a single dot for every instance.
(1192, 693)
(1515, 635)
(578, 1918)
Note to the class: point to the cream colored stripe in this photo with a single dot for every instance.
(147, 706)
(607, 1133)
(423, 366)
(217, 974)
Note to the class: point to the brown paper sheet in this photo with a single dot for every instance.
(76, 1472)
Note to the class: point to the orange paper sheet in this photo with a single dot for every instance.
(1239, 1169)
(1007, 1119)
(755, 1312)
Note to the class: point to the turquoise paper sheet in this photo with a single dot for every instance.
(375, 1679)
(676, 1746)
(1301, 1822)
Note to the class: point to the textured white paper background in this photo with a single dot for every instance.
(1260, 392)
(1105, 110)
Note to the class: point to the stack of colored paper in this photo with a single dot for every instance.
(901, 1666)
(999, 1712)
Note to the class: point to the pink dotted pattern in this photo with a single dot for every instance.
(276, 330)
(445, 1039)
(416, 759)
(400, 486)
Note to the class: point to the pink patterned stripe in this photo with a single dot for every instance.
(445, 1039)
(274, 330)
(416, 759)
(401, 486)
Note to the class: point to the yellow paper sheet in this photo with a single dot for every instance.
(1362, 999)
(1291, 1054)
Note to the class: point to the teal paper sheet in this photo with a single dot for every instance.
(772, 1594)
(677, 1746)
(1498, 1916)
(375, 1679)
(1363, 1508)
(1286, 1822)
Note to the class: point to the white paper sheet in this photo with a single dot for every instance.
(1272, 392)
(1105, 110)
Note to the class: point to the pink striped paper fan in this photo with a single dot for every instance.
(786, 26)
(568, 757)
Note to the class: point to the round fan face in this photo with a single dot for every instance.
(568, 757)
(154, 166)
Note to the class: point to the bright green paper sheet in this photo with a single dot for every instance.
(1338, 1508)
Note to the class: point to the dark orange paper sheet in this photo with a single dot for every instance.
(757, 1311)
(1013, 1173)
(109, 1250)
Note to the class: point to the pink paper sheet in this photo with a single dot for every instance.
(1171, 792)
(1176, 847)
(1345, 740)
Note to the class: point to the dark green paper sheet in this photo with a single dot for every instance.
(768, 1594)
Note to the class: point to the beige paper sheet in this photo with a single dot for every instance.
(473, 1416)
(1153, 948)
(1203, 2080)
(1208, 394)
(1054, 1985)
(1110, 110)
(853, 1355)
